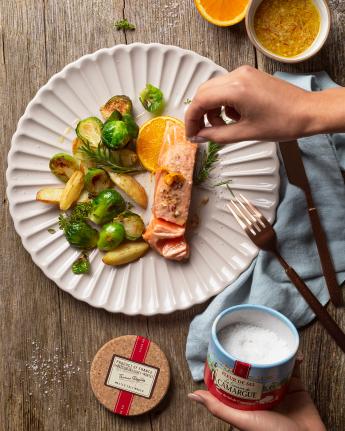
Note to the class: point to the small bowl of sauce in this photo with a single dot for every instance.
(289, 31)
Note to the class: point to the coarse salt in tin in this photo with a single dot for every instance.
(251, 357)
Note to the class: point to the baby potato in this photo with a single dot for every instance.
(127, 252)
(131, 187)
(72, 190)
(49, 195)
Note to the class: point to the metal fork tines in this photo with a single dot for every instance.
(261, 232)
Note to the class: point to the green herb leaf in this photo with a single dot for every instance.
(51, 230)
(209, 157)
(188, 101)
(222, 183)
(103, 158)
(79, 213)
(81, 265)
(123, 24)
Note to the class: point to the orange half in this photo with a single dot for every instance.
(222, 12)
(150, 140)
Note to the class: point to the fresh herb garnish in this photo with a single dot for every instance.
(51, 230)
(222, 183)
(78, 214)
(123, 24)
(81, 265)
(103, 158)
(209, 157)
(188, 101)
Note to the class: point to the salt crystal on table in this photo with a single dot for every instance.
(253, 344)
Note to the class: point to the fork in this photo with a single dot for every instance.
(261, 232)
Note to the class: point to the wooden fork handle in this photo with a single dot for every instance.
(324, 317)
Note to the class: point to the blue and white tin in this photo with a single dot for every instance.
(250, 386)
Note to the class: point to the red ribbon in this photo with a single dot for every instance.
(125, 398)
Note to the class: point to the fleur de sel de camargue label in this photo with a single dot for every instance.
(132, 376)
(237, 386)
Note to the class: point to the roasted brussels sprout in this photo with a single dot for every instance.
(96, 180)
(90, 131)
(81, 235)
(81, 265)
(63, 165)
(132, 127)
(115, 116)
(127, 157)
(111, 236)
(115, 134)
(122, 103)
(133, 224)
(106, 206)
(152, 99)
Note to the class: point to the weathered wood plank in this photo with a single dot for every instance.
(43, 324)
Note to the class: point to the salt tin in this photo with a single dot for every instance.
(247, 386)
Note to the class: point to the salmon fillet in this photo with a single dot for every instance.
(173, 188)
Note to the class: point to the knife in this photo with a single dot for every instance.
(295, 171)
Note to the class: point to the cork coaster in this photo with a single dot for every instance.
(130, 375)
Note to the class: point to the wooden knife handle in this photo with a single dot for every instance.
(322, 314)
(334, 290)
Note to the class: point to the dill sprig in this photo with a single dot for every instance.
(124, 24)
(103, 158)
(209, 157)
(79, 213)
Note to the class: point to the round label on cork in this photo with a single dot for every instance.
(130, 375)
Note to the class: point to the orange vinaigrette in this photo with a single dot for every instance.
(287, 27)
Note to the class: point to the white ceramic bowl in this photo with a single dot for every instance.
(325, 18)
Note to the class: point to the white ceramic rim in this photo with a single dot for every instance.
(309, 52)
(11, 152)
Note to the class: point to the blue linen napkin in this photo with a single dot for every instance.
(265, 282)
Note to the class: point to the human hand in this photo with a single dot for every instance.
(296, 412)
(263, 107)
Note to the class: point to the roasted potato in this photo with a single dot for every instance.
(72, 190)
(126, 253)
(49, 195)
(131, 187)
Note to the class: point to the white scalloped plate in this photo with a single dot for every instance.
(219, 249)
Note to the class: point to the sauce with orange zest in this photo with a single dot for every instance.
(287, 27)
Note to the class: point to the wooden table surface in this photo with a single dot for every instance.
(48, 338)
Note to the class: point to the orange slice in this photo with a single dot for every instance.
(222, 12)
(150, 140)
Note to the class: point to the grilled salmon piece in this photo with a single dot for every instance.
(167, 239)
(174, 180)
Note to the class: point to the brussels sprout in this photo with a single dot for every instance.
(110, 236)
(115, 116)
(122, 103)
(90, 131)
(81, 265)
(81, 235)
(96, 180)
(152, 99)
(63, 165)
(133, 224)
(132, 127)
(115, 134)
(106, 206)
(127, 157)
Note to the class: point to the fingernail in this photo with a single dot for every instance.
(196, 398)
(197, 139)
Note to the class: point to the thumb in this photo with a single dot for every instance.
(226, 134)
(239, 418)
